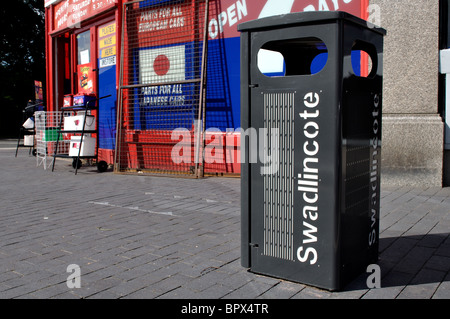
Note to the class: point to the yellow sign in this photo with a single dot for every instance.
(107, 45)
(108, 52)
(106, 42)
(105, 31)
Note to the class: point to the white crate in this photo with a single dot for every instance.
(28, 140)
(87, 147)
(75, 123)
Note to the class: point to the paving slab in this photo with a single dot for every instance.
(154, 237)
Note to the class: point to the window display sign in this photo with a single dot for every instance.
(85, 79)
(70, 13)
(107, 45)
(39, 95)
(166, 22)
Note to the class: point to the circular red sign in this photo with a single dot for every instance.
(161, 65)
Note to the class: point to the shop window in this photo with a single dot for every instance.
(85, 69)
(84, 47)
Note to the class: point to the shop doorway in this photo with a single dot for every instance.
(85, 63)
(63, 71)
(85, 76)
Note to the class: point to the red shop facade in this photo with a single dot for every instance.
(152, 89)
(82, 56)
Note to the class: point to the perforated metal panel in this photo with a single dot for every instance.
(279, 184)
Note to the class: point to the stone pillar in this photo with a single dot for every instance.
(413, 130)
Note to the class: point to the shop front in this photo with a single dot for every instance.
(173, 103)
(82, 47)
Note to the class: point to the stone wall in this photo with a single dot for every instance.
(413, 130)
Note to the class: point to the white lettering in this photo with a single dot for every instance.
(222, 20)
(213, 28)
(227, 18)
(324, 5)
(193, 309)
(374, 173)
(162, 19)
(308, 180)
(305, 257)
(241, 9)
(314, 133)
(232, 14)
(311, 212)
(308, 232)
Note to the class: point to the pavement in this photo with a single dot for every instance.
(147, 237)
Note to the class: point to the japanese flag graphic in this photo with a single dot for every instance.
(165, 64)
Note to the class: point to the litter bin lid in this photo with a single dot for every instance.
(305, 18)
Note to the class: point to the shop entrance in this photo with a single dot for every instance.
(63, 68)
(74, 72)
(85, 77)
(86, 64)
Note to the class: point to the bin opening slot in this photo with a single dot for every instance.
(363, 59)
(303, 56)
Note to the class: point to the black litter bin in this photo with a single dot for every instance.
(311, 146)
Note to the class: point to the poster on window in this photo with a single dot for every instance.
(85, 78)
(38, 92)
